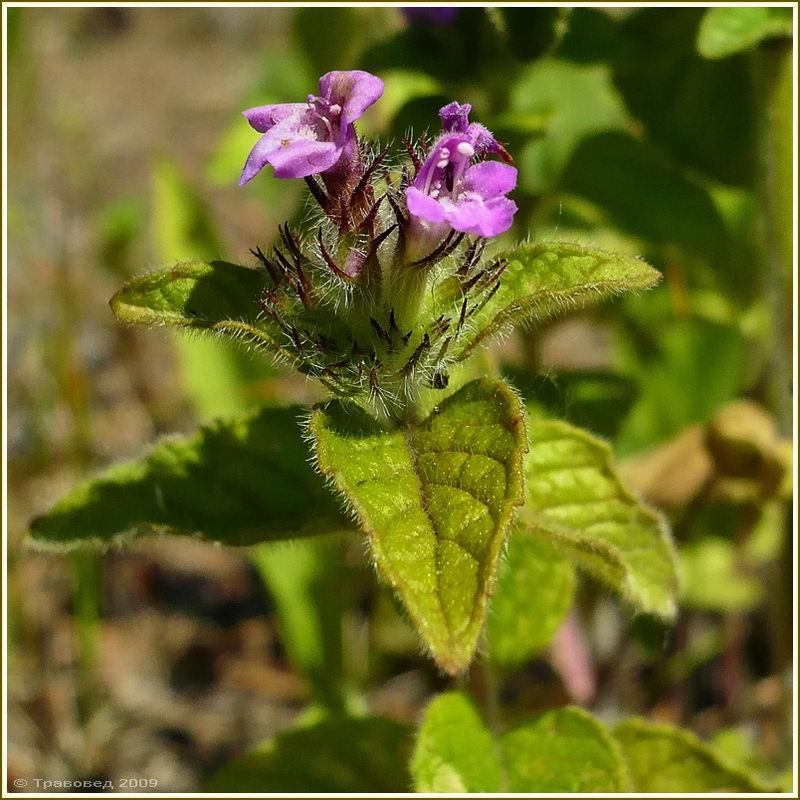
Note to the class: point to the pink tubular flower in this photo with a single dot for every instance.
(302, 139)
(448, 191)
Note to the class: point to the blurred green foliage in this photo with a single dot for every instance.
(655, 131)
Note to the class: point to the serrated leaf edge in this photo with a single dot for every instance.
(564, 534)
(693, 741)
(514, 497)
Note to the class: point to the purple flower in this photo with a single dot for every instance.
(455, 118)
(436, 15)
(302, 139)
(447, 191)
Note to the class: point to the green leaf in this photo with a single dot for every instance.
(215, 373)
(213, 297)
(661, 758)
(400, 87)
(542, 280)
(565, 750)
(664, 352)
(182, 224)
(713, 580)
(436, 500)
(336, 755)
(532, 32)
(576, 501)
(687, 104)
(236, 481)
(724, 31)
(628, 179)
(307, 582)
(535, 589)
(595, 399)
(471, 42)
(579, 101)
(455, 753)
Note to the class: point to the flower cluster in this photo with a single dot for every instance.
(348, 294)
(318, 137)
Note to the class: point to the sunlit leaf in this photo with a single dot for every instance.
(579, 100)
(576, 501)
(565, 750)
(212, 297)
(725, 31)
(214, 371)
(237, 481)
(436, 501)
(335, 755)
(454, 751)
(661, 758)
(535, 586)
(543, 280)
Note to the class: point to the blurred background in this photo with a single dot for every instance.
(633, 129)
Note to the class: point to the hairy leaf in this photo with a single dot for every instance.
(724, 31)
(542, 280)
(661, 758)
(213, 297)
(436, 501)
(535, 587)
(236, 481)
(216, 373)
(454, 750)
(576, 501)
(335, 755)
(565, 750)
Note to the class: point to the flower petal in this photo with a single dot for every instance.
(421, 205)
(354, 90)
(455, 117)
(262, 118)
(430, 170)
(478, 217)
(258, 158)
(490, 179)
(303, 157)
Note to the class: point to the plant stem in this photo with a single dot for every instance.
(774, 86)
(773, 81)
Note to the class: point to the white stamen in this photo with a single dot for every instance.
(445, 152)
(435, 193)
(335, 108)
(466, 149)
(442, 164)
(437, 184)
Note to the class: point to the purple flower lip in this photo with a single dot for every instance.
(301, 139)
(455, 117)
(448, 191)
